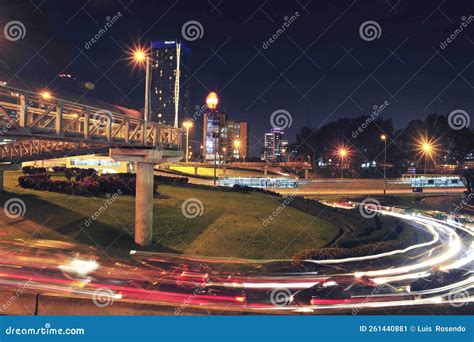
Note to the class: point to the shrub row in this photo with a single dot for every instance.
(338, 253)
(31, 170)
(88, 186)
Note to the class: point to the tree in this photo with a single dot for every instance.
(468, 180)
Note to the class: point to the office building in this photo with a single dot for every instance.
(169, 93)
(275, 147)
(224, 139)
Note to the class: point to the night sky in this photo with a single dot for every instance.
(320, 69)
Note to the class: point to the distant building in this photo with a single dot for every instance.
(469, 161)
(236, 148)
(101, 163)
(275, 148)
(169, 95)
(224, 139)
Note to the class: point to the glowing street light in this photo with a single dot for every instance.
(46, 95)
(383, 137)
(139, 56)
(427, 148)
(212, 100)
(342, 153)
(187, 125)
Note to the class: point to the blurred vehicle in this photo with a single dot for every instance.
(461, 220)
(436, 279)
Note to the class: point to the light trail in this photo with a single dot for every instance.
(435, 272)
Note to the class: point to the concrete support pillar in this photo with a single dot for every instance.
(195, 170)
(265, 170)
(223, 171)
(144, 204)
(145, 161)
(305, 173)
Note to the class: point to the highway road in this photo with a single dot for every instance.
(431, 273)
(323, 186)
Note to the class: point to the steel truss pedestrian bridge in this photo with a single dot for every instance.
(35, 126)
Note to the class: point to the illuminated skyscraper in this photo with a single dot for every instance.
(169, 97)
(274, 145)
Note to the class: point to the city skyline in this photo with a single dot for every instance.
(341, 74)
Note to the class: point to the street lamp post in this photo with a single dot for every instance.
(211, 101)
(384, 139)
(427, 148)
(215, 135)
(187, 125)
(342, 155)
(140, 57)
(237, 145)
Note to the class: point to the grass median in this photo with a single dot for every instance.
(230, 224)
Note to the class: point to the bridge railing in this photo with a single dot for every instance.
(25, 114)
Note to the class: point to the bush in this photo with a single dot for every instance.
(172, 180)
(58, 169)
(86, 186)
(31, 170)
(89, 187)
(339, 253)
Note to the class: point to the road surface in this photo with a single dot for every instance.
(438, 271)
